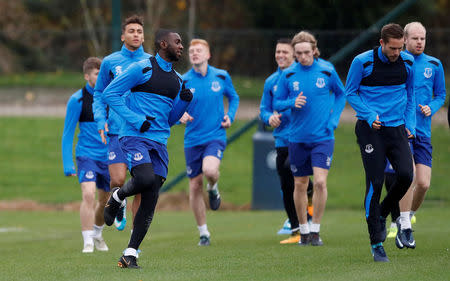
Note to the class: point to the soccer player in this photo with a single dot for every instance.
(315, 94)
(380, 88)
(284, 56)
(108, 121)
(91, 159)
(429, 86)
(205, 136)
(156, 102)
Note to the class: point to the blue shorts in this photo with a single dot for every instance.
(115, 152)
(305, 156)
(90, 170)
(422, 150)
(194, 155)
(389, 169)
(140, 150)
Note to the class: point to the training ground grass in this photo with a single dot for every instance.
(47, 246)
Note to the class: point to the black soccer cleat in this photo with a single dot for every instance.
(315, 239)
(405, 238)
(378, 253)
(214, 199)
(305, 239)
(128, 262)
(204, 241)
(111, 209)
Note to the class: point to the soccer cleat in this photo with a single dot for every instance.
(88, 248)
(405, 239)
(286, 229)
(315, 239)
(111, 208)
(378, 253)
(120, 221)
(128, 262)
(294, 238)
(204, 241)
(392, 232)
(383, 228)
(100, 244)
(305, 239)
(214, 199)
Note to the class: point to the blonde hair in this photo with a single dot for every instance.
(197, 41)
(411, 25)
(304, 36)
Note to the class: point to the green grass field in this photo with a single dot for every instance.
(47, 246)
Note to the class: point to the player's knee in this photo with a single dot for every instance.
(320, 185)
(210, 173)
(89, 197)
(423, 185)
(405, 177)
(144, 177)
(117, 180)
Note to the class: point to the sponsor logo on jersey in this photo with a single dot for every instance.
(428, 72)
(369, 148)
(296, 86)
(320, 83)
(138, 156)
(215, 86)
(275, 87)
(112, 155)
(118, 70)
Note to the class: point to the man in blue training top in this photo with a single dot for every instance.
(108, 121)
(91, 159)
(205, 136)
(156, 102)
(315, 94)
(284, 56)
(380, 87)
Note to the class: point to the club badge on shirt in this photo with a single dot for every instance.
(428, 72)
(215, 86)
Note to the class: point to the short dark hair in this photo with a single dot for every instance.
(391, 30)
(90, 64)
(160, 35)
(284, 41)
(133, 19)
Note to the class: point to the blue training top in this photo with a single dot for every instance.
(207, 107)
(281, 133)
(155, 89)
(112, 66)
(387, 92)
(429, 88)
(319, 117)
(79, 110)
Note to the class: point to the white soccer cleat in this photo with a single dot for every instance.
(100, 244)
(88, 248)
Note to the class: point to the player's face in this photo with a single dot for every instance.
(304, 53)
(392, 48)
(284, 55)
(415, 42)
(174, 46)
(198, 54)
(133, 36)
(91, 77)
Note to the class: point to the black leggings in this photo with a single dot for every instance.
(375, 146)
(389, 179)
(147, 183)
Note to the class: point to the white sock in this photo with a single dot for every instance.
(315, 227)
(304, 228)
(411, 214)
(130, 252)
(97, 231)
(87, 237)
(203, 229)
(405, 222)
(116, 197)
(214, 187)
(295, 229)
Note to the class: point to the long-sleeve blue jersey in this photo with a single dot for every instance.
(429, 89)
(79, 110)
(112, 66)
(151, 95)
(207, 107)
(388, 92)
(325, 100)
(281, 133)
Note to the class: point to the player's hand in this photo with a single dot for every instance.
(146, 125)
(226, 123)
(300, 100)
(186, 118)
(275, 120)
(103, 133)
(376, 124)
(186, 95)
(425, 109)
(408, 133)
